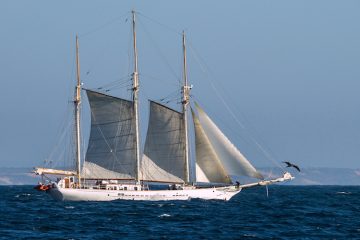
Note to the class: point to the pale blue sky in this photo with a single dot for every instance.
(288, 69)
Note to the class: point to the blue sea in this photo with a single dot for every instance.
(290, 212)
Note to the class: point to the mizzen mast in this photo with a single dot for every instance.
(135, 100)
(77, 103)
(185, 102)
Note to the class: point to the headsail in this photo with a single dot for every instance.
(208, 164)
(232, 160)
(112, 146)
(164, 152)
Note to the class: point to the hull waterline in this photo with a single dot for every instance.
(64, 194)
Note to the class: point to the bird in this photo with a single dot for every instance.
(289, 164)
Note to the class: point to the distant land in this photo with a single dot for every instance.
(307, 176)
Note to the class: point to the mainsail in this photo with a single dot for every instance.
(164, 152)
(213, 148)
(111, 151)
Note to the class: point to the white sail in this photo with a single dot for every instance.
(151, 172)
(164, 144)
(200, 175)
(93, 171)
(208, 164)
(233, 161)
(112, 136)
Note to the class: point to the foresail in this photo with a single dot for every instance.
(112, 137)
(231, 158)
(164, 144)
(208, 164)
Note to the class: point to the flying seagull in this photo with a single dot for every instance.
(289, 164)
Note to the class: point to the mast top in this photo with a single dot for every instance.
(78, 81)
(186, 88)
(184, 52)
(134, 42)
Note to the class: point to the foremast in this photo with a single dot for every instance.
(77, 103)
(135, 100)
(185, 102)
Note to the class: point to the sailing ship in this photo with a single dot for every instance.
(114, 167)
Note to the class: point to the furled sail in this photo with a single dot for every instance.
(232, 160)
(111, 151)
(208, 164)
(164, 152)
(152, 172)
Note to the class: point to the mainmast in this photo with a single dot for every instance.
(185, 102)
(135, 100)
(77, 102)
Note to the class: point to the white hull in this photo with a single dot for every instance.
(71, 194)
(61, 192)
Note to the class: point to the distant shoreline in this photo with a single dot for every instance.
(13, 176)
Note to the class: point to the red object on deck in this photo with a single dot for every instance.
(42, 187)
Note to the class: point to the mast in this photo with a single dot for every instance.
(185, 102)
(77, 102)
(135, 100)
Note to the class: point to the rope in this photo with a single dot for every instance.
(205, 70)
(161, 24)
(96, 29)
(164, 59)
(62, 133)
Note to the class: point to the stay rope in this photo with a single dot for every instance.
(206, 71)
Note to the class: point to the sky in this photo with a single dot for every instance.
(280, 78)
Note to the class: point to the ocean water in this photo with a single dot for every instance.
(290, 212)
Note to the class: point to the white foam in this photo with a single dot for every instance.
(346, 193)
(165, 215)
